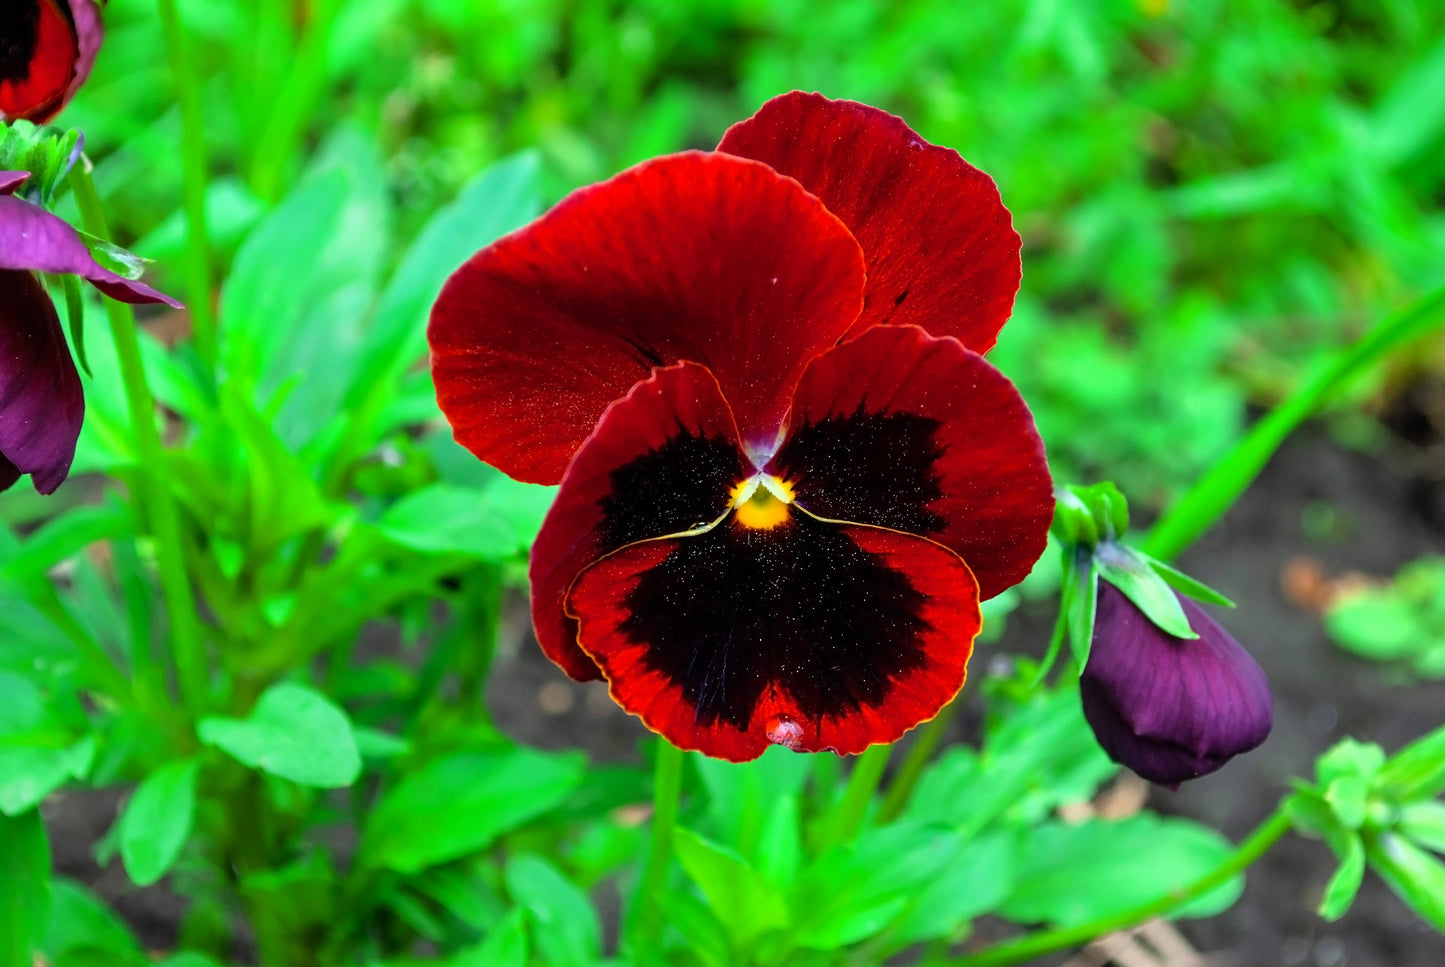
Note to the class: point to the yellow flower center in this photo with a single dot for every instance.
(762, 501)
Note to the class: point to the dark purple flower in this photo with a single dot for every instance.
(41, 404)
(1170, 708)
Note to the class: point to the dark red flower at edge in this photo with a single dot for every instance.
(788, 476)
(47, 48)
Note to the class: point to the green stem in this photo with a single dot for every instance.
(101, 668)
(1216, 491)
(846, 819)
(193, 161)
(929, 738)
(164, 517)
(1265, 835)
(295, 104)
(666, 793)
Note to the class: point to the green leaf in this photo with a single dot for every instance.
(1081, 589)
(854, 891)
(75, 319)
(1345, 883)
(80, 925)
(37, 753)
(157, 821)
(1129, 571)
(567, 933)
(978, 877)
(1424, 824)
(1417, 877)
(24, 887)
(503, 197)
(1376, 624)
(1349, 798)
(1418, 770)
(740, 794)
(704, 933)
(1186, 585)
(505, 945)
(458, 805)
(1072, 874)
(740, 897)
(494, 523)
(65, 536)
(294, 732)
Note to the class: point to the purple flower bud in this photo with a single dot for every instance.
(41, 403)
(1169, 708)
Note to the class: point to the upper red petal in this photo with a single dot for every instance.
(696, 256)
(661, 460)
(941, 249)
(905, 430)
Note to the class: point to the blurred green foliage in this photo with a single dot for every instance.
(1211, 193)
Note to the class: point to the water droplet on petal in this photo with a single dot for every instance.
(785, 732)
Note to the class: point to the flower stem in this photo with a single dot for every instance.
(666, 792)
(193, 160)
(929, 738)
(1217, 490)
(1265, 835)
(843, 823)
(161, 508)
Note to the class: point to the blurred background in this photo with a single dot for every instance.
(1214, 196)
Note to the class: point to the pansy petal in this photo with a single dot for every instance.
(695, 256)
(1171, 708)
(662, 459)
(808, 634)
(39, 54)
(33, 239)
(41, 401)
(941, 249)
(10, 180)
(89, 32)
(901, 429)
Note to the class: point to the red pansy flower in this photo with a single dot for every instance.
(788, 475)
(47, 48)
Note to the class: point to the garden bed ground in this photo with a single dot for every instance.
(1369, 513)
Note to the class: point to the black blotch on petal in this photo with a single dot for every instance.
(733, 612)
(869, 468)
(684, 482)
(19, 32)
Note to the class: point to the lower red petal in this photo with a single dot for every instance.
(661, 460)
(811, 634)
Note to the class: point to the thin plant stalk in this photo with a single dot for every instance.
(185, 634)
(193, 161)
(1218, 489)
(843, 823)
(918, 758)
(1265, 835)
(646, 912)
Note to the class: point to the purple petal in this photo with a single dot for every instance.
(10, 180)
(41, 402)
(33, 239)
(1171, 709)
(88, 34)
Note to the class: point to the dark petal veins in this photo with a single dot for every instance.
(33, 239)
(900, 429)
(1169, 708)
(813, 634)
(701, 257)
(662, 460)
(41, 401)
(941, 249)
